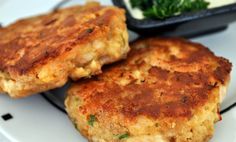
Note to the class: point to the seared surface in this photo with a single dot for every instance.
(78, 36)
(172, 83)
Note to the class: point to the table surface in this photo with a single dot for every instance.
(221, 43)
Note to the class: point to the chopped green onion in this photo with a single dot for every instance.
(123, 136)
(91, 120)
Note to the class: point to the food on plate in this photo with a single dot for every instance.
(167, 90)
(42, 52)
(161, 9)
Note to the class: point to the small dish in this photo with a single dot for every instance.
(187, 24)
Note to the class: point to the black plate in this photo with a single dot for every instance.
(187, 24)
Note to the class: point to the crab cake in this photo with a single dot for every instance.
(168, 90)
(41, 53)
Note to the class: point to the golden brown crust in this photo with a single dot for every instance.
(74, 42)
(167, 78)
(167, 90)
(33, 42)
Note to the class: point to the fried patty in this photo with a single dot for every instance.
(42, 52)
(167, 90)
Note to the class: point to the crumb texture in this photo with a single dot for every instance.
(41, 52)
(168, 89)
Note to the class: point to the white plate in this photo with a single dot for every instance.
(36, 120)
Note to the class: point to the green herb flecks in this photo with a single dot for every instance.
(91, 120)
(161, 9)
(123, 136)
(90, 30)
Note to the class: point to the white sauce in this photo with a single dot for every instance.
(218, 3)
(137, 13)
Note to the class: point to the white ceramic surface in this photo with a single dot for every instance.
(35, 120)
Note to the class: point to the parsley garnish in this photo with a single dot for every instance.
(91, 120)
(123, 136)
(161, 9)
